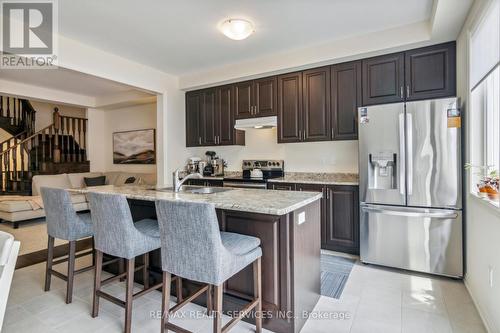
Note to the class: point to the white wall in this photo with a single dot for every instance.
(105, 122)
(338, 156)
(482, 221)
(44, 113)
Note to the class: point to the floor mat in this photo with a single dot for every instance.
(334, 274)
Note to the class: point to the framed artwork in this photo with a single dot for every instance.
(134, 147)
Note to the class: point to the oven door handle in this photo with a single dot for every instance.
(244, 185)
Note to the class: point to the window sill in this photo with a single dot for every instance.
(493, 206)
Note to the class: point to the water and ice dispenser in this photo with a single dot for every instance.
(382, 171)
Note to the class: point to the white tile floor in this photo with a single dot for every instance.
(374, 300)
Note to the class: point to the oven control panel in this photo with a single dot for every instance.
(263, 165)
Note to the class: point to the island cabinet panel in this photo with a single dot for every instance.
(345, 99)
(194, 105)
(290, 108)
(316, 109)
(383, 79)
(341, 222)
(209, 122)
(269, 229)
(430, 72)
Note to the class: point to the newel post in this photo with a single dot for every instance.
(57, 126)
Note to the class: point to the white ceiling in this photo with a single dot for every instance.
(65, 80)
(181, 37)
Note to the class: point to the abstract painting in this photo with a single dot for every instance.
(134, 147)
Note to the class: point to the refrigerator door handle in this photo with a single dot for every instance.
(409, 213)
(402, 171)
(409, 151)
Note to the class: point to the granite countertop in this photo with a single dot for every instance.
(245, 200)
(318, 178)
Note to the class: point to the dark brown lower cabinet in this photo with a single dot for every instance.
(339, 214)
(341, 223)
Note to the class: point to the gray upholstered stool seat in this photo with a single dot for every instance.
(64, 223)
(193, 247)
(239, 244)
(149, 227)
(116, 234)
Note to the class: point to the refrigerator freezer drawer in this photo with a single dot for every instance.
(417, 239)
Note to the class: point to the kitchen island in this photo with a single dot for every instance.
(288, 225)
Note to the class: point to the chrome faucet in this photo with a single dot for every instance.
(178, 182)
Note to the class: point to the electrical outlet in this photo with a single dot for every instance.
(490, 275)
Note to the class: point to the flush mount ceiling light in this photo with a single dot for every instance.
(237, 29)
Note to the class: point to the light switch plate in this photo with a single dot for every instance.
(301, 217)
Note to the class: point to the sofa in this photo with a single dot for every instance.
(30, 207)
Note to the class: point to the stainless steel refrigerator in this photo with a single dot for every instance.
(410, 173)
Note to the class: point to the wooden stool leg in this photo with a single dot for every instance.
(71, 271)
(129, 293)
(165, 300)
(209, 300)
(97, 283)
(179, 289)
(50, 258)
(145, 271)
(93, 252)
(217, 309)
(121, 268)
(257, 290)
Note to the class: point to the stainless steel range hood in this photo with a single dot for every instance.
(258, 123)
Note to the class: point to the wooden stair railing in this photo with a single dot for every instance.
(19, 112)
(64, 141)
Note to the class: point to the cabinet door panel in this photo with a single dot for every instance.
(225, 118)
(316, 94)
(290, 107)
(243, 96)
(430, 72)
(268, 231)
(194, 102)
(383, 79)
(346, 98)
(265, 96)
(209, 123)
(342, 219)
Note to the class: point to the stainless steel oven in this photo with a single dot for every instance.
(255, 174)
(243, 184)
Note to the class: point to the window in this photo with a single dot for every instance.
(485, 105)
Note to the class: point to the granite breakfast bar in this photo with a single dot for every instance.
(288, 225)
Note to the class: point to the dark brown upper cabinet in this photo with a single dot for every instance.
(256, 98)
(225, 117)
(194, 105)
(316, 108)
(290, 108)
(346, 98)
(383, 79)
(430, 72)
(210, 118)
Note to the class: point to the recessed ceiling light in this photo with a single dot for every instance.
(237, 29)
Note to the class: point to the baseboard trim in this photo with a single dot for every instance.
(478, 307)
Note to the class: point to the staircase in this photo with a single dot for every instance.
(57, 148)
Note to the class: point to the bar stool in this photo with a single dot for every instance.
(64, 223)
(195, 249)
(116, 234)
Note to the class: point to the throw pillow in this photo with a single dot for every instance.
(95, 181)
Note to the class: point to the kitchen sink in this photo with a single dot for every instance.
(196, 189)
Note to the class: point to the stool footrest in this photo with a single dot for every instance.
(243, 312)
(188, 299)
(78, 255)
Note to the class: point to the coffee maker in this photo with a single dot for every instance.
(209, 169)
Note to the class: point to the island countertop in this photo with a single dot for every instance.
(244, 200)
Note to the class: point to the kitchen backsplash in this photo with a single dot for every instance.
(330, 156)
